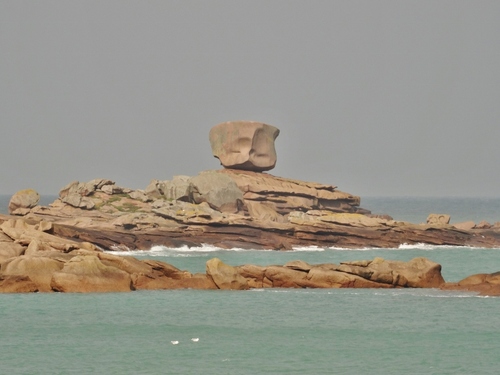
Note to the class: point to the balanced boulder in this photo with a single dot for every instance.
(247, 145)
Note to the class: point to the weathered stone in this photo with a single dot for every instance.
(111, 189)
(225, 276)
(298, 265)
(83, 274)
(17, 284)
(438, 219)
(483, 225)
(320, 277)
(254, 275)
(188, 212)
(38, 269)
(244, 145)
(288, 195)
(351, 219)
(167, 270)
(216, 189)
(264, 211)
(197, 281)
(22, 201)
(283, 277)
(140, 196)
(466, 225)
(483, 283)
(10, 250)
(417, 273)
(76, 194)
(177, 189)
(125, 263)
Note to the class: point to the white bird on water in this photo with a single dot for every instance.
(195, 339)
(174, 342)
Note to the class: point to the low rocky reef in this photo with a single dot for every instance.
(32, 259)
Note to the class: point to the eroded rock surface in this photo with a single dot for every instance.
(47, 263)
(22, 201)
(246, 145)
(486, 284)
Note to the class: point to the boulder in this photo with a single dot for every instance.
(76, 194)
(22, 201)
(225, 276)
(438, 219)
(197, 281)
(486, 284)
(254, 275)
(323, 277)
(10, 250)
(247, 145)
(179, 188)
(38, 269)
(417, 273)
(83, 274)
(17, 284)
(264, 211)
(216, 189)
(483, 225)
(466, 225)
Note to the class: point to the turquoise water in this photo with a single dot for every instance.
(268, 331)
(251, 332)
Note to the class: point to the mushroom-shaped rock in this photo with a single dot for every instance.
(247, 145)
(23, 201)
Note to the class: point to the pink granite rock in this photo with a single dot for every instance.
(246, 145)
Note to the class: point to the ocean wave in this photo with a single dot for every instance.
(206, 249)
(424, 246)
(307, 248)
(183, 251)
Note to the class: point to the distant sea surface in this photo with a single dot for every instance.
(270, 331)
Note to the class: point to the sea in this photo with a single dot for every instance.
(270, 331)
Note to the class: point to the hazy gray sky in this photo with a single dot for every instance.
(377, 97)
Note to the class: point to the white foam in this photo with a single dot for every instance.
(183, 251)
(423, 246)
(307, 248)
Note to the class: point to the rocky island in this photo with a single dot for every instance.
(60, 247)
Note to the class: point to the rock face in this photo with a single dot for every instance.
(434, 219)
(23, 201)
(486, 284)
(50, 264)
(246, 145)
(285, 195)
(225, 276)
(233, 208)
(42, 262)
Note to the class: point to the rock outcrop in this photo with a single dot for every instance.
(486, 284)
(22, 201)
(235, 208)
(47, 263)
(33, 259)
(434, 219)
(247, 145)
